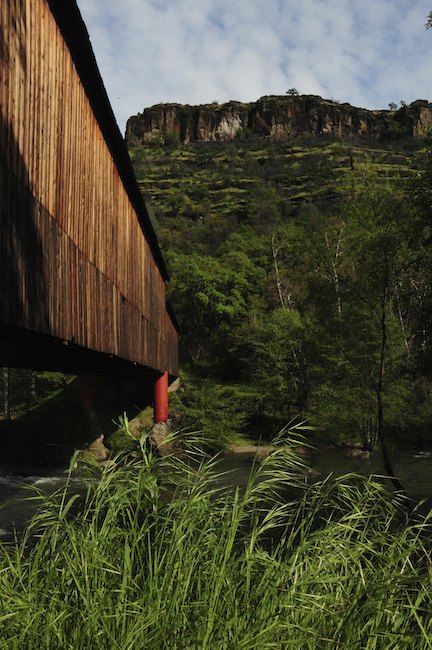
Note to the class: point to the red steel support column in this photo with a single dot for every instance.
(161, 399)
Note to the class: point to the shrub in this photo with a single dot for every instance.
(154, 556)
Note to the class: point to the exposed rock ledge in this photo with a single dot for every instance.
(278, 117)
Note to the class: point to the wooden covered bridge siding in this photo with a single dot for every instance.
(79, 260)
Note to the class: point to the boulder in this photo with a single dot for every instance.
(360, 454)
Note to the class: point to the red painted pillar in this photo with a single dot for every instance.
(161, 399)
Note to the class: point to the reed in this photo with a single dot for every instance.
(155, 555)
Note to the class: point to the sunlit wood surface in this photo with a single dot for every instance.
(79, 259)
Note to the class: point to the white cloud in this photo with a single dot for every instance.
(195, 51)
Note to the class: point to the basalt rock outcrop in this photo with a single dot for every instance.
(278, 117)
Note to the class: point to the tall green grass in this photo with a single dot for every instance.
(156, 555)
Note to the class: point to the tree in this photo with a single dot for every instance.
(271, 355)
(392, 106)
(292, 92)
(420, 193)
(428, 24)
(264, 207)
(379, 240)
(209, 299)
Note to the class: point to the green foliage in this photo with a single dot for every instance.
(395, 129)
(155, 556)
(171, 139)
(23, 389)
(272, 353)
(263, 207)
(340, 409)
(210, 297)
(243, 134)
(125, 441)
(302, 269)
(219, 412)
(48, 383)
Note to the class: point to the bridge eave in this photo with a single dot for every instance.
(20, 348)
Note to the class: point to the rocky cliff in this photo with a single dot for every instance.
(278, 117)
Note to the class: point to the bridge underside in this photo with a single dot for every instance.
(20, 348)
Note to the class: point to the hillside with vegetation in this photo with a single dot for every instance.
(301, 278)
(301, 275)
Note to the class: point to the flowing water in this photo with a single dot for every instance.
(17, 499)
(412, 467)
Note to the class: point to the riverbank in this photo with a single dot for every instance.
(338, 565)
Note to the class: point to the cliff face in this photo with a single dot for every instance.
(278, 117)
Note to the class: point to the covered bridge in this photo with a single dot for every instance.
(82, 278)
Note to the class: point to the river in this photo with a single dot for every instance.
(413, 468)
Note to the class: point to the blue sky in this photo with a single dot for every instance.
(198, 51)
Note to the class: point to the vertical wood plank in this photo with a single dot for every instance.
(65, 211)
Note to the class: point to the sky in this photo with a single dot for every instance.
(199, 51)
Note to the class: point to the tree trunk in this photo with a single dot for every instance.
(379, 393)
(285, 301)
(31, 395)
(6, 394)
(334, 269)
